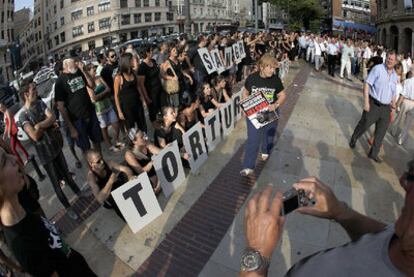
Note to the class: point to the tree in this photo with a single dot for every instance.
(303, 11)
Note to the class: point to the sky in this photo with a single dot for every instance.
(19, 4)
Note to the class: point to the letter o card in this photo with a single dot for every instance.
(169, 168)
(137, 202)
(194, 144)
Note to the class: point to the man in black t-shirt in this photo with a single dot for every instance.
(110, 69)
(197, 67)
(267, 82)
(75, 105)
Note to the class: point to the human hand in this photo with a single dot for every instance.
(36, 127)
(74, 133)
(121, 116)
(366, 107)
(81, 65)
(326, 206)
(113, 177)
(263, 223)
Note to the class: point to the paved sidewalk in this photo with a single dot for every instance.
(201, 229)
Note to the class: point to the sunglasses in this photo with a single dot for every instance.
(113, 56)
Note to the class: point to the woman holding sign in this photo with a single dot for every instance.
(264, 81)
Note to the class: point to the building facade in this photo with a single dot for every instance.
(6, 39)
(395, 24)
(273, 16)
(21, 19)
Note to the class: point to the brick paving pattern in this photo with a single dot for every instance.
(188, 247)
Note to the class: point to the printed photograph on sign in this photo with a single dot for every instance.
(207, 60)
(194, 144)
(242, 51)
(212, 128)
(236, 53)
(256, 108)
(169, 168)
(137, 202)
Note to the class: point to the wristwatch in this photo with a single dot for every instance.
(252, 260)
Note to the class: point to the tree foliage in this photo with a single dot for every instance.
(303, 11)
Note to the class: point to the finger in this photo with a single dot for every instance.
(263, 204)
(276, 204)
(252, 205)
(309, 179)
(307, 186)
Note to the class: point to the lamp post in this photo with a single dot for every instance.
(187, 22)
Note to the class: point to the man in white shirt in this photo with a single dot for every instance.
(318, 54)
(310, 51)
(347, 54)
(365, 58)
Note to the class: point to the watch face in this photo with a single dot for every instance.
(251, 261)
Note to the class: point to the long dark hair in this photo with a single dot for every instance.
(125, 63)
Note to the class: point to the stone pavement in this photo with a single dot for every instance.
(313, 141)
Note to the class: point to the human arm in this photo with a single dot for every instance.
(89, 80)
(105, 93)
(163, 71)
(49, 120)
(215, 103)
(281, 98)
(9, 123)
(126, 170)
(263, 225)
(117, 88)
(63, 111)
(134, 163)
(366, 97)
(189, 77)
(142, 89)
(329, 207)
(226, 95)
(101, 194)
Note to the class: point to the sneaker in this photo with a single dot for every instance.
(246, 172)
(114, 149)
(72, 214)
(264, 157)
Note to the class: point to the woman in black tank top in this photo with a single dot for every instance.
(104, 177)
(139, 158)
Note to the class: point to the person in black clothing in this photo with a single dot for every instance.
(375, 60)
(150, 82)
(104, 177)
(34, 241)
(197, 66)
(139, 158)
(128, 97)
(110, 69)
(207, 101)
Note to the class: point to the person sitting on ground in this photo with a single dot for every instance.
(207, 102)
(376, 249)
(104, 177)
(188, 113)
(219, 89)
(139, 158)
(164, 134)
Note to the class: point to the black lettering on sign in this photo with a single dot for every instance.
(195, 143)
(213, 131)
(227, 56)
(236, 105)
(217, 59)
(227, 116)
(133, 194)
(169, 176)
(206, 58)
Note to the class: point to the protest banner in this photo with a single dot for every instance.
(137, 202)
(242, 50)
(194, 144)
(228, 57)
(218, 62)
(212, 128)
(236, 52)
(207, 61)
(236, 98)
(256, 108)
(227, 117)
(169, 168)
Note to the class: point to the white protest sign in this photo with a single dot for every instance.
(137, 202)
(227, 118)
(237, 112)
(241, 48)
(236, 52)
(228, 57)
(194, 144)
(218, 62)
(169, 168)
(206, 59)
(212, 128)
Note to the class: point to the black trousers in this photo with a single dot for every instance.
(58, 170)
(331, 64)
(378, 114)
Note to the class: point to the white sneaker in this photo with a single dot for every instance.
(246, 172)
(265, 157)
(72, 214)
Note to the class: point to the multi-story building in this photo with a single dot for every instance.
(26, 41)
(205, 14)
(395, 24)
(21, 19)
(85, 24)
(6, 39)
(273, 16)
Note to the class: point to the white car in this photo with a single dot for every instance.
(43, 75)
(46, 91)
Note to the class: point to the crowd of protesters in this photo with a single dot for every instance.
(162, 91)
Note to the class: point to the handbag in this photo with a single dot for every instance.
(171, 86)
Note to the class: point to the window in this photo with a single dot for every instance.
(62, 4)
(157, 17)
(104, 23)
(126, 19)
(55, 25)
(148, 17)
(56, 40)
(146, 3)
(137, 18)
(170, 16)
(89, 11)
(102, 7)
(124, 4)
(91, 27)
(62, 37)
(76, 15)
(77, 31)
(91, 44)
(54, 9)
(138, 3)
(157, 3)
(62, 21)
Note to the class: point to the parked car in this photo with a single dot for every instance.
(43, 75)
